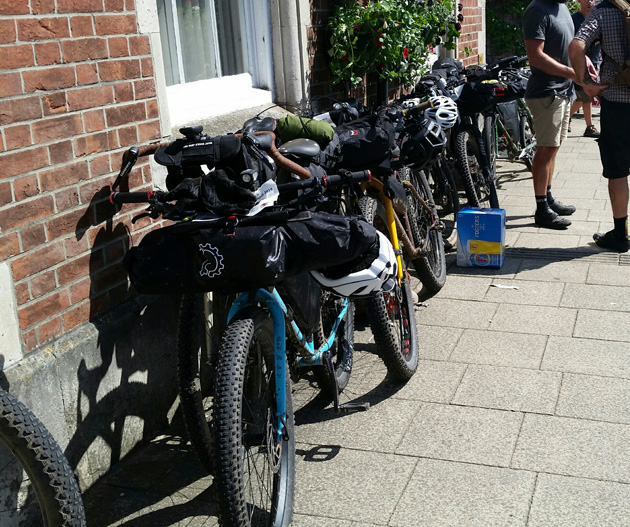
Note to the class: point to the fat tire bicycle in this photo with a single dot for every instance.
(38, 485)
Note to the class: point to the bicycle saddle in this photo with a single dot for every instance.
(301, 147)
(256, 124)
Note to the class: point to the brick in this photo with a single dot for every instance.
(128, 136)
(79, 50)
(114, 252)
(54, 103)
(129, 113)
(80, 291)
(14, 7)
(38, 311)
(9, 245)
(152, 109)
(123, 91)
(74, 247)
(115, 24)
(121, 69)
(18, 110)
(49, 79)
(67, 198)
(108, 277)
(46, 130)
(60, 152)
(43, 283)
(140, 45)
(130, 5)
(25, 187)
(144, 89)
(7, 31)
(65, 224)
(64, 176)
(79, 6)
(22, 294)
(49, 330)
(91, 144)
(6, 196)
(34, 29)
(26, 212)
(99, 166)
(47, 53)
(30, 340)
(146, 65)
(94, 121)
(23, 161)
(41, 7)
(149, 131)
(118, 47)
(78, 314)
(81, 26)
(17, 136)
(36, 261)
(10, 84)
(114, 5)
(19, 56)
(32, 236)
(92, 97)
(86, 74)
(73, 270)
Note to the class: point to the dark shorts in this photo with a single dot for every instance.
(614, 140)
(581, 95)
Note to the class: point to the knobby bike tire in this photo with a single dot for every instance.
(31, 449)
(490, 138)
(255, 474)
(391, 315)
(431, 268)
(446, 195)
(468, 153)
(195, 372)
(343, 347)
(526, 129)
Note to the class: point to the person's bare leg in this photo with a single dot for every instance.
(575, 107)
(617, 239)
(618, 192)
(588, 113)
(542, 168)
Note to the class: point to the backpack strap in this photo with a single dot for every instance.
(624, 7)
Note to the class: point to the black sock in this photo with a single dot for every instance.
(541, 204)
(550, 198)
(621, 227)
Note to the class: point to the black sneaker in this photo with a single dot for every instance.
(591, 131)
(560, 208)
(612, 242)
(550, 220)
(569, 128)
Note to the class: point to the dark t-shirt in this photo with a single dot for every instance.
(550, 21)
(596, 51)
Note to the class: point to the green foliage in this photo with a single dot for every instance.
(503, 22)
(390, 37)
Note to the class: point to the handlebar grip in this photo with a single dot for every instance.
(130, 197)
(147, 150)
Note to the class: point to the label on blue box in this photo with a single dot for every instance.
(480, 237)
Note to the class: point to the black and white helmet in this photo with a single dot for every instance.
(443, 111)
(379, 276)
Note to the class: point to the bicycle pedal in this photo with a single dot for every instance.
(354, 407)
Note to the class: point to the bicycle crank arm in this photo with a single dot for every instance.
(353, 407)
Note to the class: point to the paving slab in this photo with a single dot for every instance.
(575, 502)
(574, 447)
(602, 274)
(445, 494)
(460, 433)
(500, 348)
(437, 342)
(457, 313)
(604, 297)
(539, 320)
(542, 270)
(465, 287)
(381, 478)
(516, 389)
(525, 292)
(608, 325)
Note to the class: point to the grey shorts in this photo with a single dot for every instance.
(551, 119)
(581, 95)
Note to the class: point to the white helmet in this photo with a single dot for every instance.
(443, 111)
(379, 276)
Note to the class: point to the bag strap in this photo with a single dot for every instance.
(624, 7)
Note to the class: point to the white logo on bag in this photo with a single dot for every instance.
(214, 261)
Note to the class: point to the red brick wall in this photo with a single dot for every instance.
(471, 27)
(76, 88)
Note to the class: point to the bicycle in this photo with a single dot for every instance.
(252, 432)
(39, 487)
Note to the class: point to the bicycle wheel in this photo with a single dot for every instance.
(490, 138)
(480, 190)
(431, 268)
(444, 189)
(255, 472)
(343, 347)
(37, 485)
(391, 315)
(527, 137)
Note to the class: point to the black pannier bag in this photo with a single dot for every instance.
(365, 142)
(478, 96)
(510, 118)
(233, 255)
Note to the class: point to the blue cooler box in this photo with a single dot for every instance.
(480, 237)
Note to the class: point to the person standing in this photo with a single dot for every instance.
(547, 31)
(582, 99)
(606, 24)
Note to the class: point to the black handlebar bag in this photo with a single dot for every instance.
(231, 255)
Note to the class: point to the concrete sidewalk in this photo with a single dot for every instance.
(519, 414)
